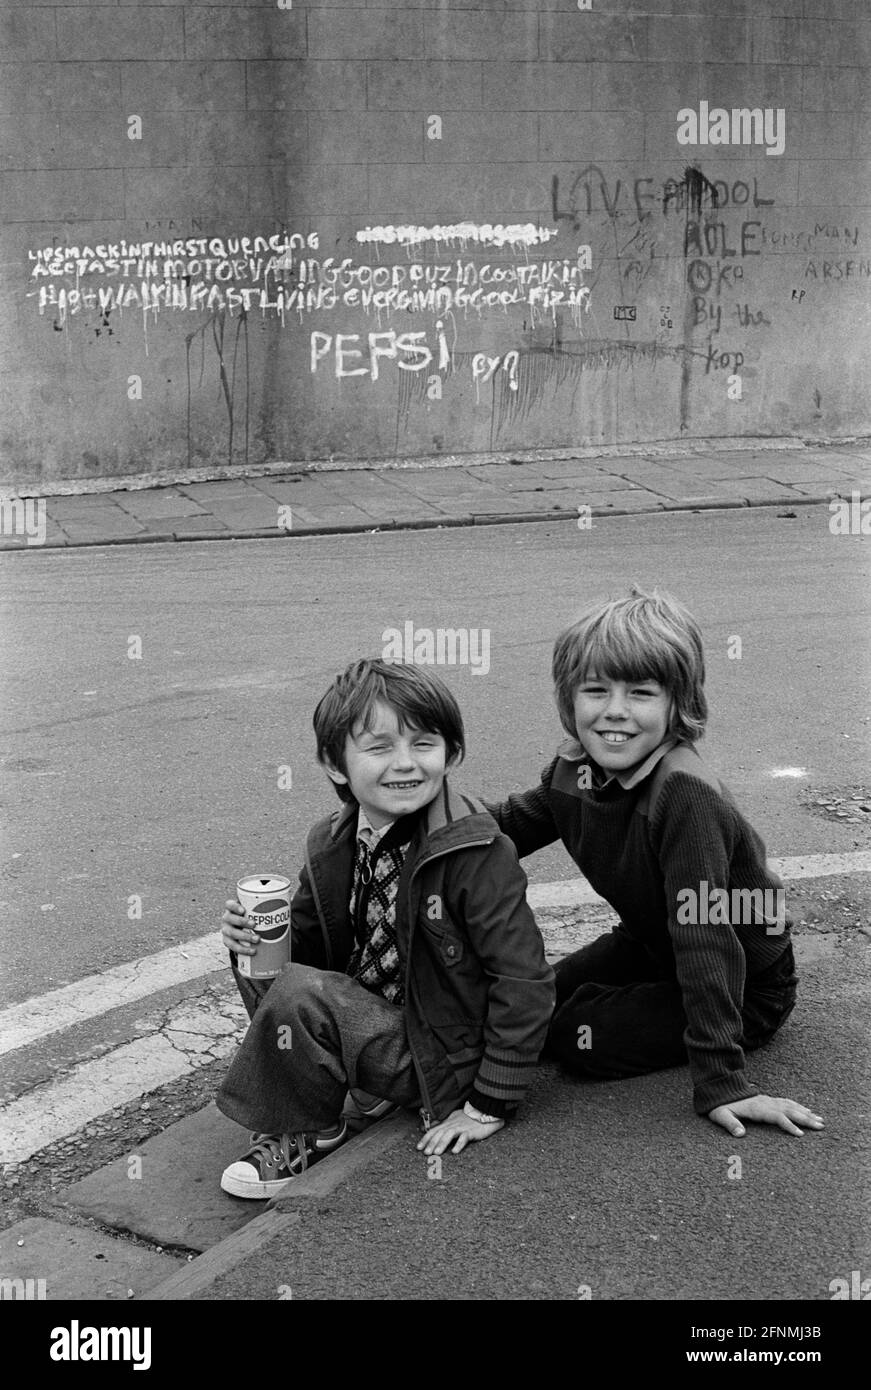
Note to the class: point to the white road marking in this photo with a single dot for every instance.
(39, 1017)
(561, 939)
(197, 1032)
(823, 865)
(97, 994)
(576, 892)
(193, 1035)
(566, 893)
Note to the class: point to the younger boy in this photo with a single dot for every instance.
(700, 966)
(417, 972)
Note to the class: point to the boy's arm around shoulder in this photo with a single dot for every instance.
(488, 895)
(526, 818)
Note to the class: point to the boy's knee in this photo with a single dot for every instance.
(297, 991)
(578, 1056)
(572, 1042)
(579, 1035)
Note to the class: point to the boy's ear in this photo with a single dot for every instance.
(334, 774)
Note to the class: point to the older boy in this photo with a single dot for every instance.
(655, 832)
(418, 973)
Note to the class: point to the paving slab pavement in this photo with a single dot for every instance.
(172, 1196)
(159, 503)
(271, 1220)
(332, 500)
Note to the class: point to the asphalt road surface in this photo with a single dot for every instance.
(155, 698)
(157, 776)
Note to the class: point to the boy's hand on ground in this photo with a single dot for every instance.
(235, 933)
(765, 1110)
(457, 1126)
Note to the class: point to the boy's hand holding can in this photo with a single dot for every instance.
(236, 933)
(264, 900)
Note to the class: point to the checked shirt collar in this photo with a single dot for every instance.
(367, 832)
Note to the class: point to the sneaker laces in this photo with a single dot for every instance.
(298, 1140)
(274, 1147)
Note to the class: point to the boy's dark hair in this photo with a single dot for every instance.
(643, 636)
(420, 699)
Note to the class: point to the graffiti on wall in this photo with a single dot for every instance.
(627, 245)
(276, 276)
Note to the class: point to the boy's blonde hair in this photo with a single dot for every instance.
(644, 636)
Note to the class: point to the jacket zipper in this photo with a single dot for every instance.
(320, 911)
(427, 1107)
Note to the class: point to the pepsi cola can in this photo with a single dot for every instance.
(266, 899)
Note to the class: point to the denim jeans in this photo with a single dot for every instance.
(314, 1035)
(635, 1009)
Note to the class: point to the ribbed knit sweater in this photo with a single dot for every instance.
(695, 838)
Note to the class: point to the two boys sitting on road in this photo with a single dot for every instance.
(418, 974)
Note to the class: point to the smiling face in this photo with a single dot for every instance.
(619, 722)
(392, 771)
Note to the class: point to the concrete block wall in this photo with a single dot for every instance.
(650, 290)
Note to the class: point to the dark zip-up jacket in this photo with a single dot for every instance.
(479, 993)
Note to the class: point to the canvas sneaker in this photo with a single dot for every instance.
(274, 1160)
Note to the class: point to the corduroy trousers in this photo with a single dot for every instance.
(634, 1011)
(314, 1035)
